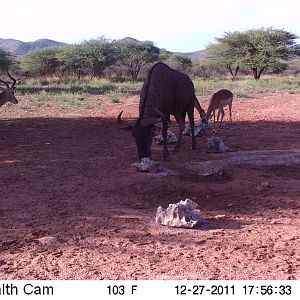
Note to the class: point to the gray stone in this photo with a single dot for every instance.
(171, 138)
(182, 214)
(199, 128)
(216, 145)
(146, 165)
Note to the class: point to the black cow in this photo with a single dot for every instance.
(165, 92)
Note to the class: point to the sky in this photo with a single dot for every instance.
(178, 26)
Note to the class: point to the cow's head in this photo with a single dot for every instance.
(143, 136)
(143, 132)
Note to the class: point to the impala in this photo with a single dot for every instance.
(219, 100)
(8, 93)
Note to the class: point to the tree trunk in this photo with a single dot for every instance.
(254, 72)
(233, 74)
(236, 70)
(260, 72)
(230, 70)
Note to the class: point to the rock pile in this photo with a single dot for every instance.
(199, 128)
(182, 214)
(171, 138)
(146, 165)
(216, 145)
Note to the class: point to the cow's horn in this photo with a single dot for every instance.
(119, 117)
(127, 124)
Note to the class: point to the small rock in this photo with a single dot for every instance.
(171, 138)
(48, 240)
(219, 217)
(182, 214)
(264, 185)
(259, 188)
(199, 128)
(216, 145)
(146, 165)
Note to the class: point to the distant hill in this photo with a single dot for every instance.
(130, 40)
(191, 55)
(20, 48)
(195, 54)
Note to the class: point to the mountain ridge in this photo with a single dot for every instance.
(20, 48)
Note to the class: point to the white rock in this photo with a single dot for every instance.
(146, 165)
(182, 214)
(48, 240)
(199, 128)
(219, 217)
(216, 145)
(171, 138)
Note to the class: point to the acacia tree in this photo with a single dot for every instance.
(134, 56)
(179, 62)
(99, 54)
(268, 49)
(73, 59)
(6, 59)
(257, 49)
(226, 52)
(41, 62)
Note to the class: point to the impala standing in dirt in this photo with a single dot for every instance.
(219, 100)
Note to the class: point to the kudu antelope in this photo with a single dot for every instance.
(219, 100)
(165, 92)
(8, 93)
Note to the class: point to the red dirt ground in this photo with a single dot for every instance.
(67, 175)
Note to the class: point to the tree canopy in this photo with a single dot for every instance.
(136, 55)
(256, 49)
(6, 59)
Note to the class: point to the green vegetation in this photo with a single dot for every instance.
(258, 50)
(245, 87)
(86, 93)
(74, 75)
(6, 59)
(255, 52)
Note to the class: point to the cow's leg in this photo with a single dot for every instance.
(165, 138)
(180, 122)
(191, 120)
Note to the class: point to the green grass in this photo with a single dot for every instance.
(71, 92)
(245, 87)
